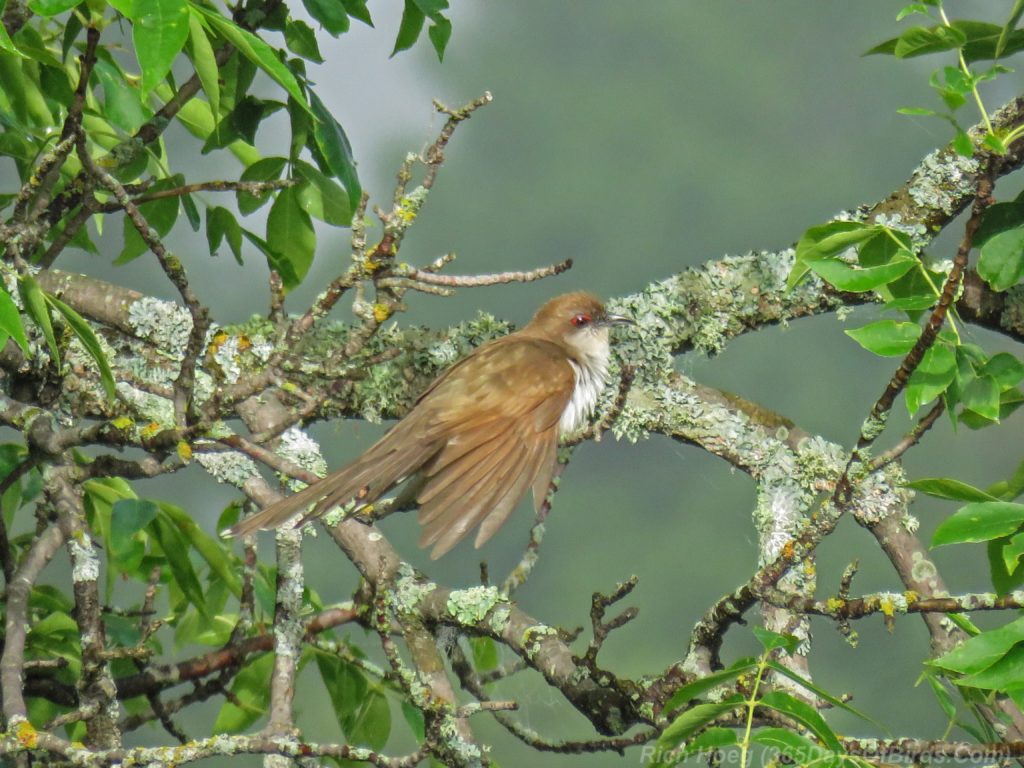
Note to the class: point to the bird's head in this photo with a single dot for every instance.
(577, 321)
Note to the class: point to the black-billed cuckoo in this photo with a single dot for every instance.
(484, 432)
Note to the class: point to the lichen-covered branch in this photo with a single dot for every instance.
(96, 690)
(12, 662)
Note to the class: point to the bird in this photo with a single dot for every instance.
(481, 435)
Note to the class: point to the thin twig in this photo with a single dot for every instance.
(42, 550)
(473, 281)
(95, 685)
(598, 605)
(175, 271)
(875, 423)
(255, 188)
(893, 603)
(910, 439)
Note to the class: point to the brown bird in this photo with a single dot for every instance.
(484, 432)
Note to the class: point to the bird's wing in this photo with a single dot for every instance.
(500, 416)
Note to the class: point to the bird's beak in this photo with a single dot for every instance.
(611, 319)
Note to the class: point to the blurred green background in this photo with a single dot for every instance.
(640, 139)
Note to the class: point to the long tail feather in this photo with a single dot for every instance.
(377, 471)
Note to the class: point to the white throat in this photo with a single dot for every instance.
(591, 370)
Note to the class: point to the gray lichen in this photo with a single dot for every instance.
(229, 467)
(165, 324)
(943, 181)
(472, 605)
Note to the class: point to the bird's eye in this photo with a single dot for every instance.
(581, 320)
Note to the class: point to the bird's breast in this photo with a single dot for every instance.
(590, 381)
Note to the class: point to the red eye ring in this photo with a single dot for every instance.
(581, 320)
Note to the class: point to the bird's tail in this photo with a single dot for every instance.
(381, 468)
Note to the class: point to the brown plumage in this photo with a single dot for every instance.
(483, 433)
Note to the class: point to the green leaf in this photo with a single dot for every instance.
(414, 717)
(410, 27)
(1001, 263)
(919, 41)
(290, 234)
(996, 144)
(125, 7)
(371, 724)
(6, 44)
(962, 144)
(948, 488)
(129, 516)
(1008, 28)
(941, 694)
(221, 225)
(321, 197)
(204, 60)
(51, 7)
(857, 279)
(932, 377)
(440, 33)
(1007, 672)
(886, 47)
(330, 13)
(979, 521)
(274, 259)
(251, 689)
(804, 714)
(1006, 576)
(1012, 551)
(160, 29)
(917, 112)
(999, 218)
(333, 144)
(698, 687)
(175, 547)
(1004, 369)
(243, 122)
(346, 686)
(267, 169)
(792, 745)
(485, 653)
(92, 345)
(690, 721)
(773, 640)
(882, 246)
(258, 52)
(832, 239)
(10, 320)
(357, 10)
(708, 743)
(982, 38)
(911, 303)
(58, 623)
(1008, 490)
(34, 301)
(214, 551)
(886, 337)
(982, 397)
(161, 215)
(911, 9)
(821, 693)
(1009, 401)
(122, 104)
(188, 205)
(301, 40)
